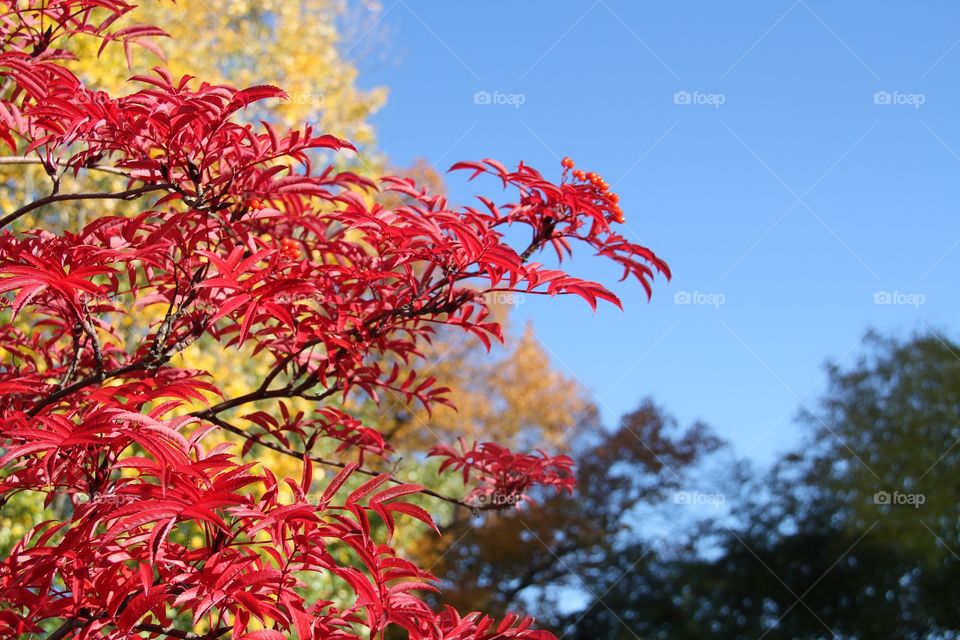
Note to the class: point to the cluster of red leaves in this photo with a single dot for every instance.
(505, 476)
(244, 243)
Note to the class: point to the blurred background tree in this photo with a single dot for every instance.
(298, 45)
(306, 47)
(891, 425)
(810, 551)
(541, 555)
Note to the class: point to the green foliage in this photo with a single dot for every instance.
(886, 443)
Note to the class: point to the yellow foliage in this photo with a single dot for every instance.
(518, 399)
(525, 393)
(293, 45)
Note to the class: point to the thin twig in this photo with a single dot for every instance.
(62, 197)
(340, 465)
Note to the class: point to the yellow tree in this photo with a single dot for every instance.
(295, 45)
(518, 398)
(292, 44)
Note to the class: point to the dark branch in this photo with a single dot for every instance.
(340, 465)
(63, 630)
(129, 194)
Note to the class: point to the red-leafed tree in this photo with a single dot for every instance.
(245, 243)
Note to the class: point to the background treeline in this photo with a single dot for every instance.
(853, 535)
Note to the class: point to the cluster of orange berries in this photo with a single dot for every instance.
(613, 200)
(290, 248)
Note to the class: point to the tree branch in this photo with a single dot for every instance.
(63, 630)
(85, 382)
(139, 365)
(340, 465)
(129, 194)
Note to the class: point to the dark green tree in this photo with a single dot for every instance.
(853, 536)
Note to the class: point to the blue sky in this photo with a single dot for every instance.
(792, 160)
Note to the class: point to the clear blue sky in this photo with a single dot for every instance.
(797, 199)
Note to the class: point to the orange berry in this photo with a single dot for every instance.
(567, 162)
(290, 248)
(579, 175)
(255, 204)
